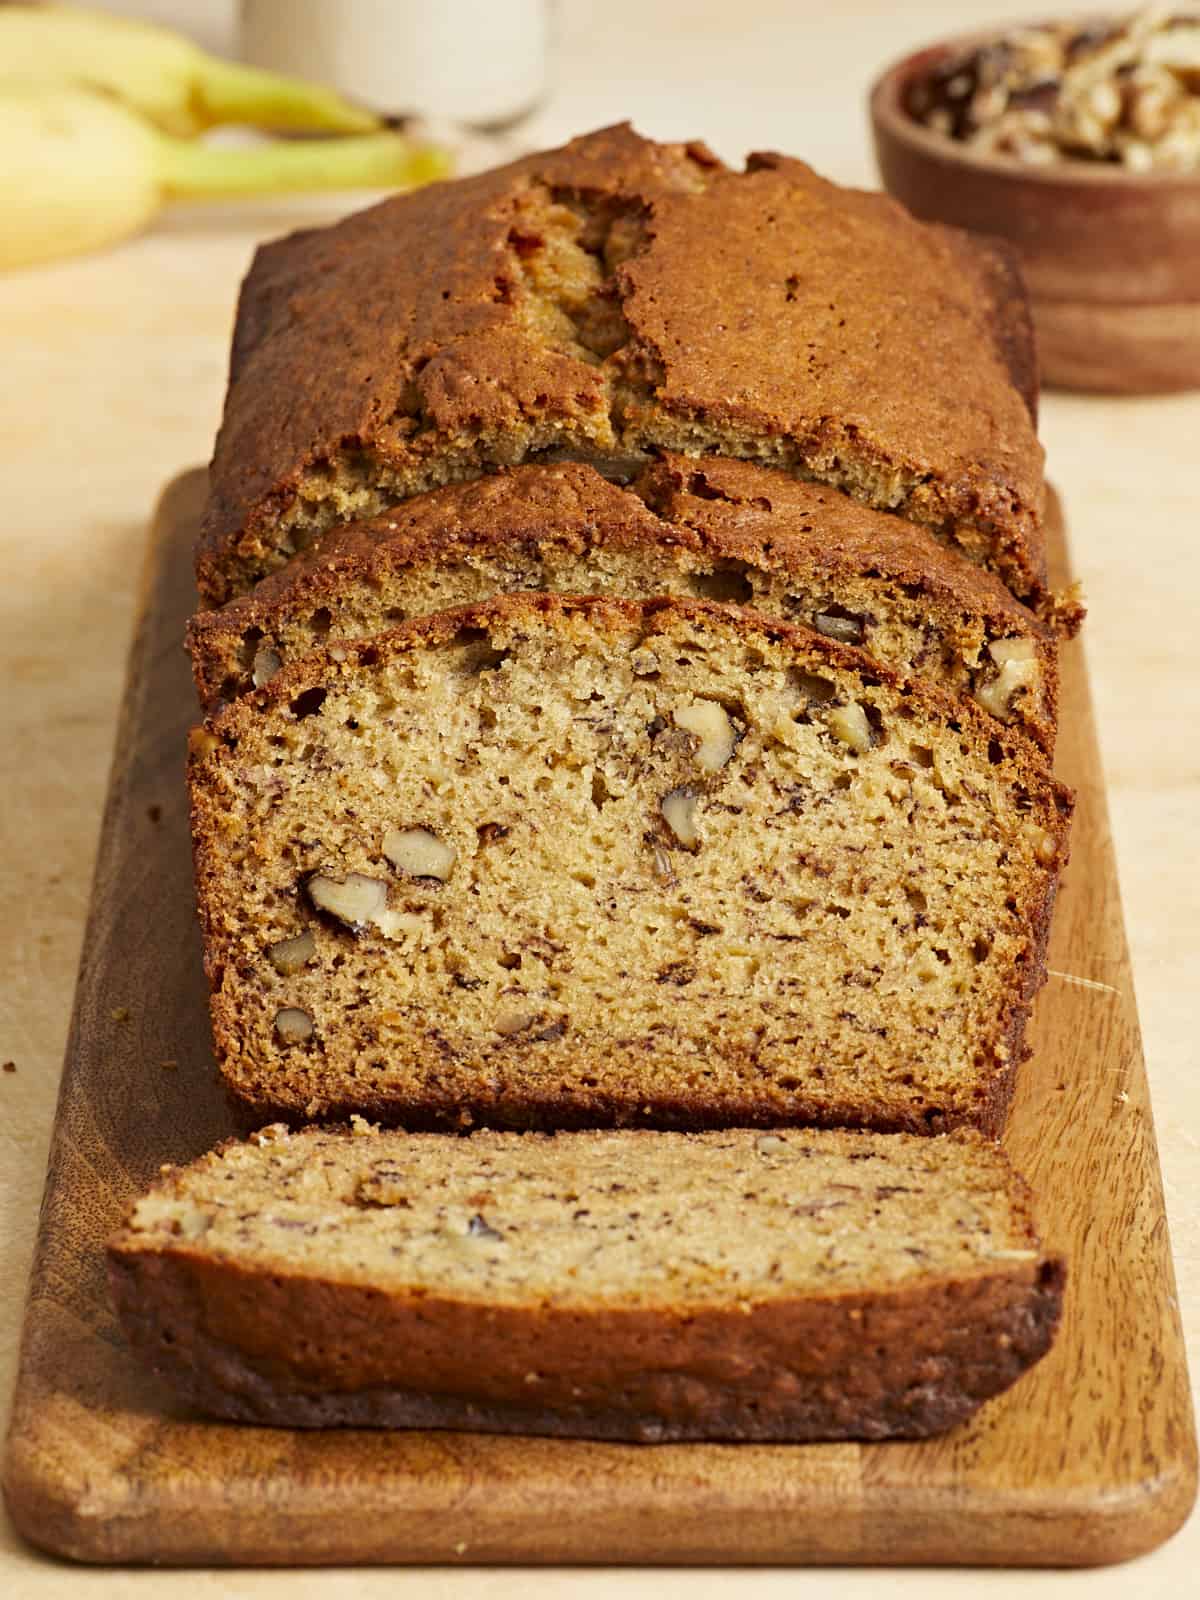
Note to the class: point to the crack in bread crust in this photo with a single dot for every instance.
(611, 300)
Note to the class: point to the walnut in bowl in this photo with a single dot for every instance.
(1080, 145)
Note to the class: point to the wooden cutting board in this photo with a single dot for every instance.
(1090, 1458)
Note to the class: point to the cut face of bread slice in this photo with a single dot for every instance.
(630, 1285)
(555, 863)
(619, 1285)
(612, 299)
(716, 529)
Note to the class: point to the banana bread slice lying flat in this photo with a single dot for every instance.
(548, 862)
(787, 1285)
(717, 529)
(613, 298)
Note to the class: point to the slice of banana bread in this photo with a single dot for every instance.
(612, 298)
(551, 862)
(724, 530)
(630, 1285)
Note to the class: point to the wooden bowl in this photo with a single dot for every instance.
(1111, 257)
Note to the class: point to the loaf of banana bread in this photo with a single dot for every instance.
(716, 529)
(787, 1285)
(549, 863)
(611, 299)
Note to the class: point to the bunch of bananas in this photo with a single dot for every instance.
(97, 122)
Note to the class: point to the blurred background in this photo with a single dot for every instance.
(741, 75)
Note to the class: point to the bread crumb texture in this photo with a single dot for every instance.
(564, 863)
(719, 530)
(605, 1218)
(783, 1284)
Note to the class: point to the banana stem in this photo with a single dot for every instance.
(374, 161)
(227, 91)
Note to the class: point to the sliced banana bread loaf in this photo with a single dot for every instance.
(629, 1285)
(615, 297)
(544, 862)
(726, 530)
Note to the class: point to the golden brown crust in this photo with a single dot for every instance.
(906, 1363)
(214, 1304)
(1012, 327)
(883, 309)
(445, 371)
(694, 517)
(417, 301)
(541, 1101)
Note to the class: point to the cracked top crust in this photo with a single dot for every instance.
(611, 299)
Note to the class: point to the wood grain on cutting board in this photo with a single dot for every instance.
(1090, 1458)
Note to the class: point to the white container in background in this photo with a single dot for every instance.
(479, 63)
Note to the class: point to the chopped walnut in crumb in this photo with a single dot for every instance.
(359, 903)
(846, 630)
(1019, 670)
(267, 663)
(663, 870)
(419, 853)
(679, 812)
(849, 724)
(709, 721)
(291, 955)
(769, 1143)
(293, 1025)
(1046, 846)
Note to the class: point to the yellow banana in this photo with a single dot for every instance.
(166, 77)
(80, 171)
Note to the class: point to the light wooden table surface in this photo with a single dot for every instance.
(111, 376)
